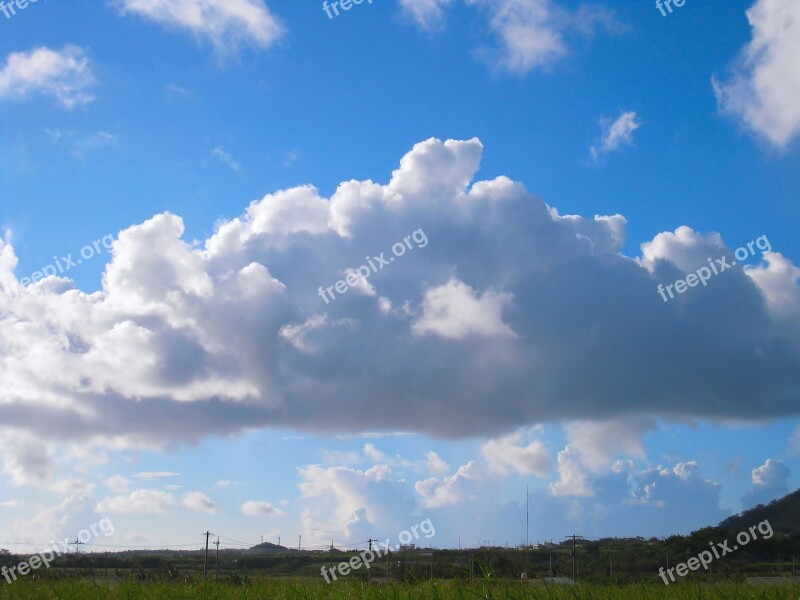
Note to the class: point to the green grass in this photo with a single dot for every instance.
(290, 590)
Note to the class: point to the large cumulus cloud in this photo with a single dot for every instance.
(511, 314)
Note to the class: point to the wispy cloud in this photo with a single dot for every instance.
(226, 158)
(616, 133)
(79, 145)
(150, 475)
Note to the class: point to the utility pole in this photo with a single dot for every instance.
(300, 543)
(369, 570)
(331, 559)
(77, 543)
(574, 556)
(216, 576)
(205, 562)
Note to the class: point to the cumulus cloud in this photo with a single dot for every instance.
(616, 133)
(533, 34)
(455, 311)
(511, 454)
(512, 315)
(598, 444)
(226, 25)
(439, 492)
(762, 87)
(64, 74)
(770, 481)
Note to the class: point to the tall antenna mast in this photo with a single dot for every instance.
(527, 529)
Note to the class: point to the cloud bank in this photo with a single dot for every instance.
(512, 314)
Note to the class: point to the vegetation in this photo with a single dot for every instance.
(291, 590)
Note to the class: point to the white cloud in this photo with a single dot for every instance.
(454, 311)
(598, 443)
(63, 74)
(510, 454)
(227, 25)
(616, 133)
(764, 83)
(198, 502)
(147, 501)
(514, 308)
(533, 34)
(427, 13)
(439, 492)
(139, 501)
(258, 508)
(573, 478)
(150, 475)
(770, 481)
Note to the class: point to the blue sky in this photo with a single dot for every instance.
(187, 375)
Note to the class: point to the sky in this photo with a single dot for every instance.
(271, 271)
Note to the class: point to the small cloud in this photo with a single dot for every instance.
(139, 501)
(227, 25)
(616, 134)
(154, 475)
(255, 508)
(176, 90)
(198, 502)
(290, 157)
(63, 74)
(426, 13)
(226, 159)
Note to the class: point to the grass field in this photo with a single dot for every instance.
(288, 590)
